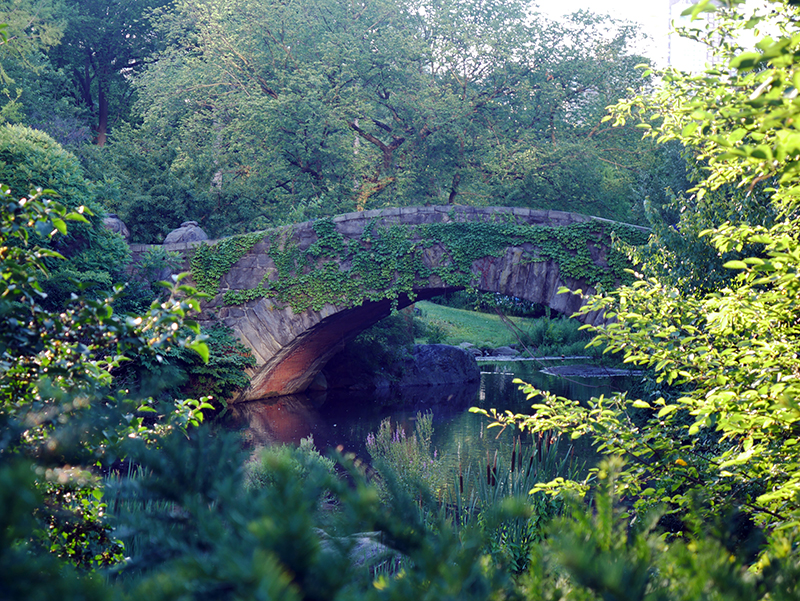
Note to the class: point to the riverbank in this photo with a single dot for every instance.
(542, 336)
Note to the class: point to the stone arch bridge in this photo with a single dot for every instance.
(295, 295)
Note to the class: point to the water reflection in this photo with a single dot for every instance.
(283, 420)
(346, 418)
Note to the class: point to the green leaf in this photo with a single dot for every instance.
(59, 225)
(762, 152)
(667, 410)
(201, 348)
(689, 129)
(735, 265)
(73, 216)
(746, 60)
(701, 7)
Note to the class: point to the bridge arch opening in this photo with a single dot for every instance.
(297, 364)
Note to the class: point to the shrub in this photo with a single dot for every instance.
(411, 457)
(181, 373)
(303, 460)
(469, 490)
(95, 256)
(491, 302)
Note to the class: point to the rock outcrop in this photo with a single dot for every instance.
(115, 224)
(436, 364)
(189, 231)
(427, 365)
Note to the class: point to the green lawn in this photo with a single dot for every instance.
(543, 336)
(459, 325)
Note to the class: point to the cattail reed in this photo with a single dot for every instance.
(514, 456)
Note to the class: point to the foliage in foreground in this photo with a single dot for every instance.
(60, 408)
(723, 419)
(201, 533)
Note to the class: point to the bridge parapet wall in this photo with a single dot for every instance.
(353, 224)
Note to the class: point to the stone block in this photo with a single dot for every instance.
(348, 217)
(246, 262)
(372, 214)
(351, 229)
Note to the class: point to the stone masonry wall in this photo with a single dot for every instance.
(291, 348)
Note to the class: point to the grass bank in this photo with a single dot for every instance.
(542, 335)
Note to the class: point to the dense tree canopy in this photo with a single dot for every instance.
(104, 43)
(31, 27)
(249, 113)
(284, 110)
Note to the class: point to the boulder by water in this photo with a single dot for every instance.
(427, 365)
(504, 351)
(435, 364)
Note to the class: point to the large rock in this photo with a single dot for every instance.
(189, 231)
(504, 351)
(434, 364)
(112, 222)
(428, 365)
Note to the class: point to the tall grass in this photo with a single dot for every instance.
(127, 506)
(466, 489)
(410, 456)
(560, 336)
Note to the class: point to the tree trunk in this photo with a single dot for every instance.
(102, 114)
(454, 188)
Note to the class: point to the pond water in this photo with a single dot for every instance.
(344, 419)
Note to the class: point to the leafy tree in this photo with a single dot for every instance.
(31, 26)
(104, 43)
(95, 256)
(724, 421)
(140, 181)
(331, 107)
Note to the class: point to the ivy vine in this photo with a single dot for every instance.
(212, 261)
(386, 262)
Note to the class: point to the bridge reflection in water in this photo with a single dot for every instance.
(343, 418)
(346, 418)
